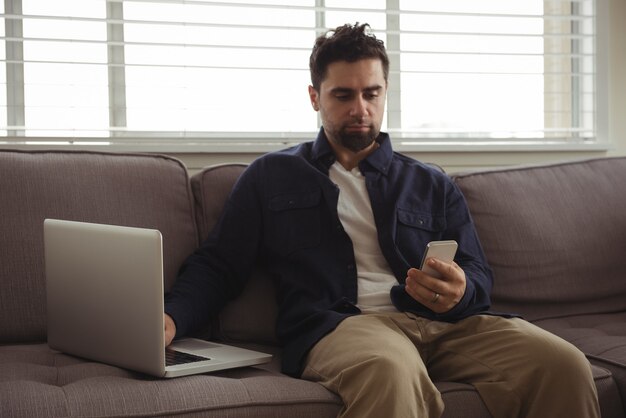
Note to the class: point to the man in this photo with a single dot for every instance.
(341, 223)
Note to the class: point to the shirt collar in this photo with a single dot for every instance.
(379, 160)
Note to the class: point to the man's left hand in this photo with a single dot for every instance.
(438, 294)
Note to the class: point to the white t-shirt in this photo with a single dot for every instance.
(375, 278)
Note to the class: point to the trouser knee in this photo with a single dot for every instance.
(399, 377)
(567, 365)
(399, 386)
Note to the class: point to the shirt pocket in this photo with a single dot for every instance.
(416, 228)
(294, 221)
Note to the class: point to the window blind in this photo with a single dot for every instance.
(202, 71)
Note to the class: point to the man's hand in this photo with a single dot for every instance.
(170, 329)
(439, 295)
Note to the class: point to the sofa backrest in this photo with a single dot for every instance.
(555, 235)
(131, 190)
(252, 315)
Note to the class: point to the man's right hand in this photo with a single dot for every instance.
(170, 329)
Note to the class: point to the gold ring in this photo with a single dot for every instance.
(435, 298)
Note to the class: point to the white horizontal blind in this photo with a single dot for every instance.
(502, 70)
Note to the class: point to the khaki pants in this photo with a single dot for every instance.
(383, 365)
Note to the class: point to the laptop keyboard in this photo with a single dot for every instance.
(173, 357)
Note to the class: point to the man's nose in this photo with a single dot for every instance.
(359, 108)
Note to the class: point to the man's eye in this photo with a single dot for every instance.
(371, 96)
(342, 97)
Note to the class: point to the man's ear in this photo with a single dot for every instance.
(315, 98)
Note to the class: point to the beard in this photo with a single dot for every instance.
(356, 141)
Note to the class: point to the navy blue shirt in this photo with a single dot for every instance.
(283, 213)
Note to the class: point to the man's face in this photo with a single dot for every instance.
(351, 102)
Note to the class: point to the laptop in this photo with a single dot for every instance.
(105, 303)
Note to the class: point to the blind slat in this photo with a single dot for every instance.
(565, 18)
(576, 55)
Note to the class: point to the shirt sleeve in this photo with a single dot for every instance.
(217, 271)
(470, 258)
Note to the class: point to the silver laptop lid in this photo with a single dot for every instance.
(105, 293)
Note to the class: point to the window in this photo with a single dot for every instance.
(196, 72)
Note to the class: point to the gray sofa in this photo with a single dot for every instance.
(555, 236)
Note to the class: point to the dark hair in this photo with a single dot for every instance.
(349, 43)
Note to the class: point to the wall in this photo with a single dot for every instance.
(617, 76)
(462, 161)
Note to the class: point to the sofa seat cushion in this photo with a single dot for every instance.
(38, 382)
(601, 335)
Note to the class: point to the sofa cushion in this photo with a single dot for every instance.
(554, 235)
(38, 382)
(132, 190)
(252, 315)
(211, 188)
(601, 335)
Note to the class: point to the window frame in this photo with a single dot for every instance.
(233, 142)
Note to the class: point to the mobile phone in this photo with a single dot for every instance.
(441, 250)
